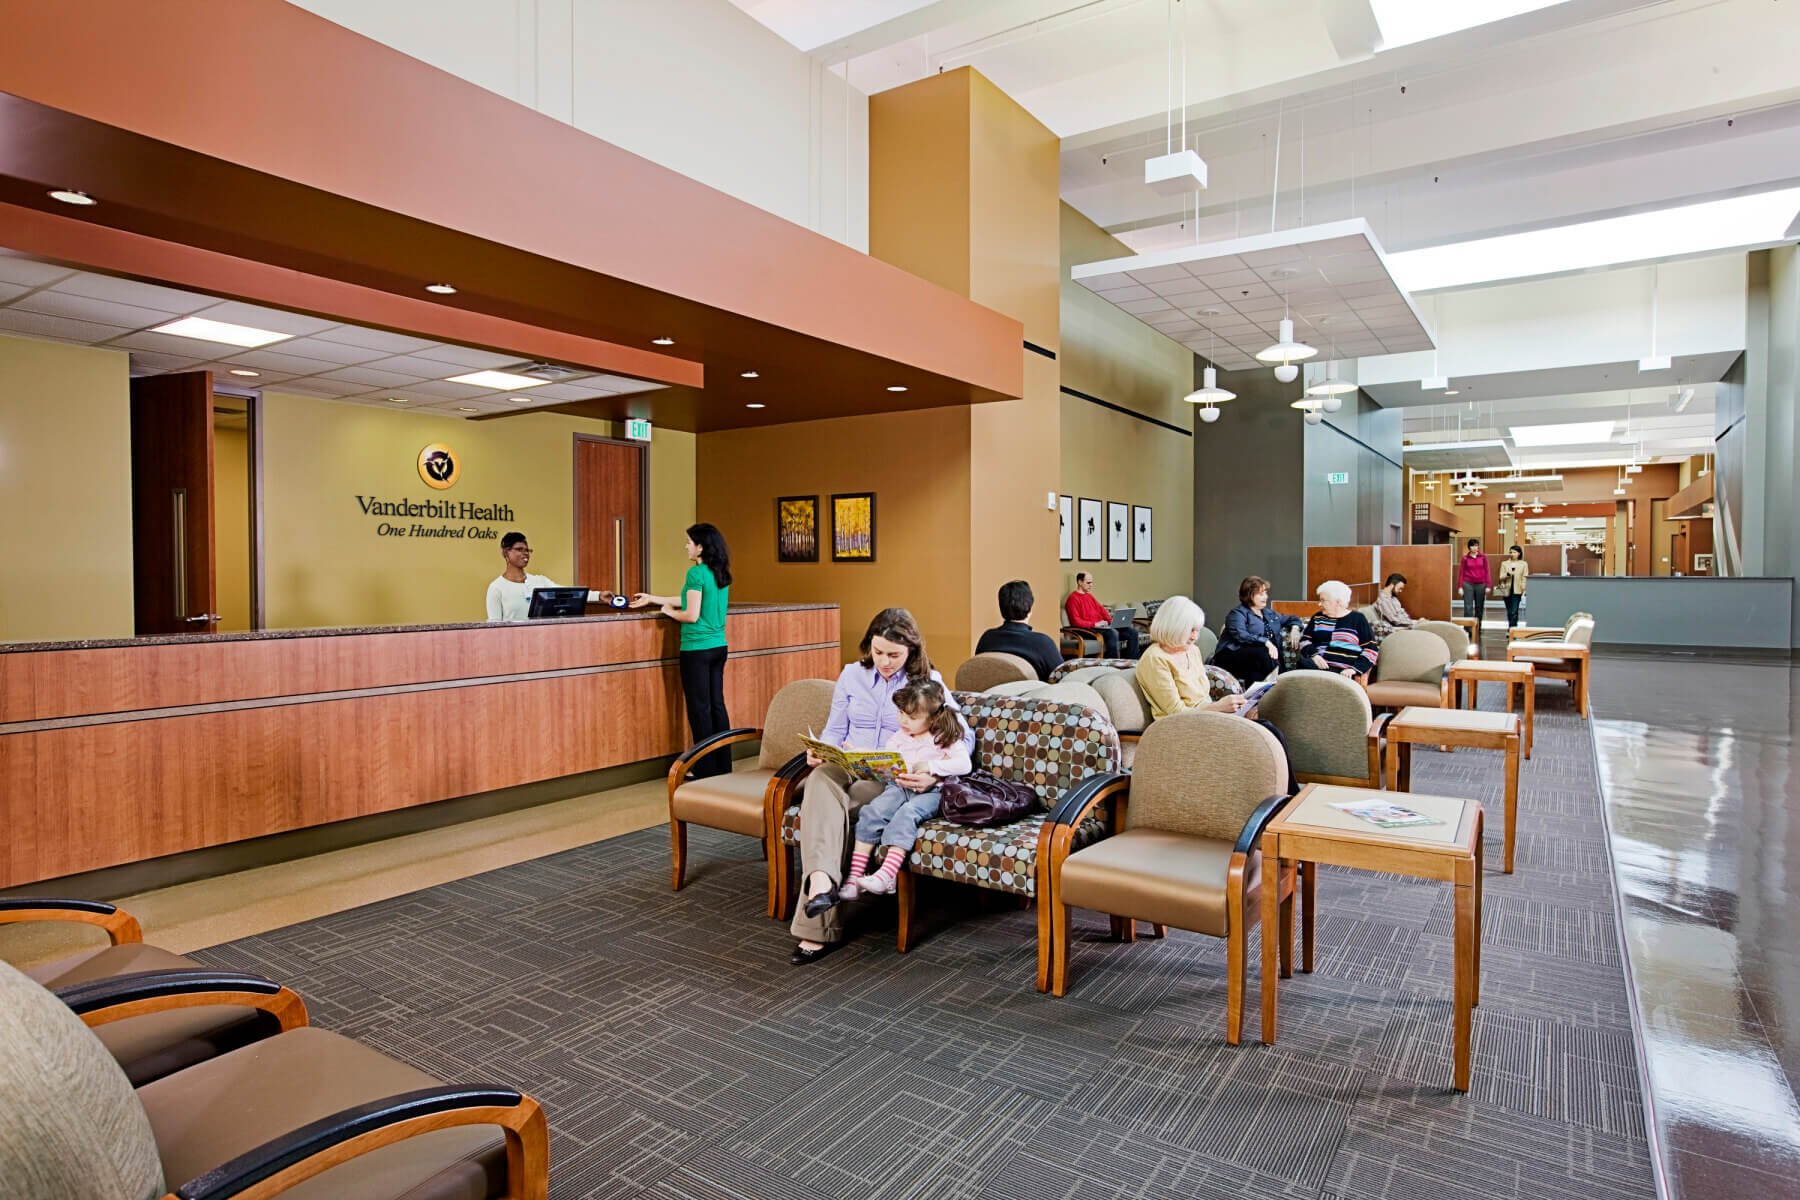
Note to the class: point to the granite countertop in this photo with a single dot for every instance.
(270, 635)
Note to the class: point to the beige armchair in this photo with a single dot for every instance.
(1548, 633)
(1126, 705)
(1455, 636)
(1332, 733)
(1539, 648)
(1413, 670)
(750, 799)
(1183, 851)
(984, 671)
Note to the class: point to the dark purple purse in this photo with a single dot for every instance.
(979, 798)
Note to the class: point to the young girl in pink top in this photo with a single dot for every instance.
(930, 738)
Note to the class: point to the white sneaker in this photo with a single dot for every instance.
(874, 885)
(848, 890)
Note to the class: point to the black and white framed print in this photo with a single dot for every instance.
(1090, 537)
(1118, 531)
(1141, 543)
(1065, 520)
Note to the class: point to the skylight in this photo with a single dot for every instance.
(1404, 22)
(1574, 433)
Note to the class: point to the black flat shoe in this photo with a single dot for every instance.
(804, 958)
(819, 903)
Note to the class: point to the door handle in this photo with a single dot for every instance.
(203, 617)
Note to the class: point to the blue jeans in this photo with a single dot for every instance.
(892, 818)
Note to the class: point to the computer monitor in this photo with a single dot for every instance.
(558, 602)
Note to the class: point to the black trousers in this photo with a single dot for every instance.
(1293, 785)
(1111, 636)
(1512, 608)
(1475, 601)
(703, 688)
(1247, 664)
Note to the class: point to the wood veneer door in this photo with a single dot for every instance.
(172, 503)
(610, 478)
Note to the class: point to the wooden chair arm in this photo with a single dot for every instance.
(1526, 632)
(1082, 635)
(687, 758)
(120, 925)
(119, 997)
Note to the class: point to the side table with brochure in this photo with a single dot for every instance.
(1427, 837)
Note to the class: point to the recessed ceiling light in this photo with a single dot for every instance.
(520, 399)
(1576, 433)
(662, 341)
(749, 375)
(466, 408)
(441, 289)
(202, 329)
(1453, 392)
(245, 372)
(397, 399)
(755, 406)
(70, 196)
(504, 381)
(896, 387)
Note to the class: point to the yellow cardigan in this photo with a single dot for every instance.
(1173, 682)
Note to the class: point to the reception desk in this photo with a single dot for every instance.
(119, 751)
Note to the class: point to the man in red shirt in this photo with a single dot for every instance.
(1086, 612)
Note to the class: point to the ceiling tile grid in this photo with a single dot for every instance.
(318, 358)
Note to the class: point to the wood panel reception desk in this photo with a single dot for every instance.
(120, 751)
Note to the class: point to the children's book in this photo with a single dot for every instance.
(879, 765)
(1385, 815)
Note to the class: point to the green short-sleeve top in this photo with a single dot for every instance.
(709, 630)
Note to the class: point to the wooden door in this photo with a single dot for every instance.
(1678, 553)
(172, 503)
(611, 518)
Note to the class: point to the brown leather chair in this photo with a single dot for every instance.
(1413, 670)
(145, 1047)
(1183, 851)
(304, 1113)
(987, 670)
(1333, 735)
(749, 799)
(1077, 638)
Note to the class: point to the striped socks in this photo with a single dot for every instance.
(859, 862)
(883, 880)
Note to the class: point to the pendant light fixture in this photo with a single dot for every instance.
(1210, 395)
(1313, 410)
(1654, 361)
(1286, 352)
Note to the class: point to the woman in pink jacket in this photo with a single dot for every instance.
(1472, 573)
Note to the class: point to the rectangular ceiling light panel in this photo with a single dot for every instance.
(1574, 433)
(204, 330)
(1404, 22)
(1175, 174)
(499, 380)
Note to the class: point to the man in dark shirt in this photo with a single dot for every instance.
(1016, 636)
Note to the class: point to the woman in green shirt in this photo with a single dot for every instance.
(700, 609)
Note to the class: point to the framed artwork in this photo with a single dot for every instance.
(797, 529)
(1089, 534)
(1065, 527)
(1141, 543)
(1118, 532)
(853, 527)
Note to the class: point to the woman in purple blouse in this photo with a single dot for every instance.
(863, 717)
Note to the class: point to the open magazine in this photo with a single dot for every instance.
(1255, 692)
(1385, 815)
(879, 765)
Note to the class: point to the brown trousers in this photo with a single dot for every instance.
(829, 803)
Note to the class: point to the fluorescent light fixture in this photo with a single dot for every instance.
(1635, 468)
(896, 387)
(1655, 362)
(1404, 22)
(1681, 401)
(441, 289)
(202, 329)
(71, 196)
(1175, 174)
(1576, 433)
(504, 381)
(747, 375)
(1736, 223)
(520, 399)
(662, 341)
(1512, 495)
(755, 406)
(1434, 383)
(249, 374)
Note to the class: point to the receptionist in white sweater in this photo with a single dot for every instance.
(509, 596)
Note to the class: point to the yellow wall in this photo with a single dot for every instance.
(325, 563)
(231, 528)
(1108, 455)
(65, 492)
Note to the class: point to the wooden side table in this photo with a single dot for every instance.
(1571, 664)
(1512, 674)
(1310, 831)
(1457, 727)
(1473, 628)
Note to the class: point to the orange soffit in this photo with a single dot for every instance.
(342, 158)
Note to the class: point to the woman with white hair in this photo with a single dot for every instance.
(1172, 670)
(1336, 639)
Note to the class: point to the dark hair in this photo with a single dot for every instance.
(1391, 580)
(1521, 552)
(712, 551)
(897, 625)
(510, 540)
(1474, 542)
(926, 698)
(1247, 590)
(1081, 575)
(1016, 600)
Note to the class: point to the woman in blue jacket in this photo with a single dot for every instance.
(1250, 647)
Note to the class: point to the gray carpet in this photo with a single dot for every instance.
(679, 1056)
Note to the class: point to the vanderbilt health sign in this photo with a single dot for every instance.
(439, 468)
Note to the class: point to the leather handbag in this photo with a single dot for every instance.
(979, 798)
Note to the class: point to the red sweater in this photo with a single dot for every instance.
(1473, 569)
(1085, 611)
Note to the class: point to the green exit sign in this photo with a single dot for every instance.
(637, 429)
(1334, 477)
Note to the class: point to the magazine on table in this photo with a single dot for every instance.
(879, 765)
(1384, 814)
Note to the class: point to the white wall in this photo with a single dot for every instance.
(1575, 320)
(695, 85)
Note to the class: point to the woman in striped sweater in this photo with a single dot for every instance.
(1336, 639)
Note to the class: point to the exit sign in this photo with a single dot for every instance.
(1338, 477)
(637, 429)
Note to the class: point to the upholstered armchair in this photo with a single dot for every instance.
(256, 1122)
(1077, 638)
(1208, 641)
(152, 1045)
(748, 800)
(1455, 637)
(1089, 664)
(982, 672)
(1332, 733)
(1126, 706)
(1413, 670)
(1222, 683)
(1540, 649)
(1183, 849)
(1550, 633)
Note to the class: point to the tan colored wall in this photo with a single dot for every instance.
(671, 508)
(1108, 455)
(65, 490)
(231, 528)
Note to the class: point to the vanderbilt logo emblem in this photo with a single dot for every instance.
(438, 466)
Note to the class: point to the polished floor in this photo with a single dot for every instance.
(1697, 762)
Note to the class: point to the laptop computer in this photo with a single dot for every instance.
(1123, 617)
